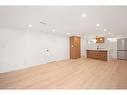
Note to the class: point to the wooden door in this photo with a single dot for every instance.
(74, 47)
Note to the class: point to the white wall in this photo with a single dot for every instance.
(22, 49)
(108, 45)
(82, 47)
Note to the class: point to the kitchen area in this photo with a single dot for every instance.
(99, 47)
(106, 49)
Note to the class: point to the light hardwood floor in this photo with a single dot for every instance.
(69, 74)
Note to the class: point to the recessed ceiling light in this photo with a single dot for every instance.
(112, 34)
(68, 33)
(53, 30)
(109, 33)
(97, 25)
(114, 39)
(30, 25)
(84, 15)
(105, 29)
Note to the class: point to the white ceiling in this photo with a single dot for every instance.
(66, 19)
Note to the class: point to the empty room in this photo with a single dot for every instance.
(63, 47)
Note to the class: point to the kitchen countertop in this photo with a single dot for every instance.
(96, 50)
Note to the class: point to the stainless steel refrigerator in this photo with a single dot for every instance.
(122, 49)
